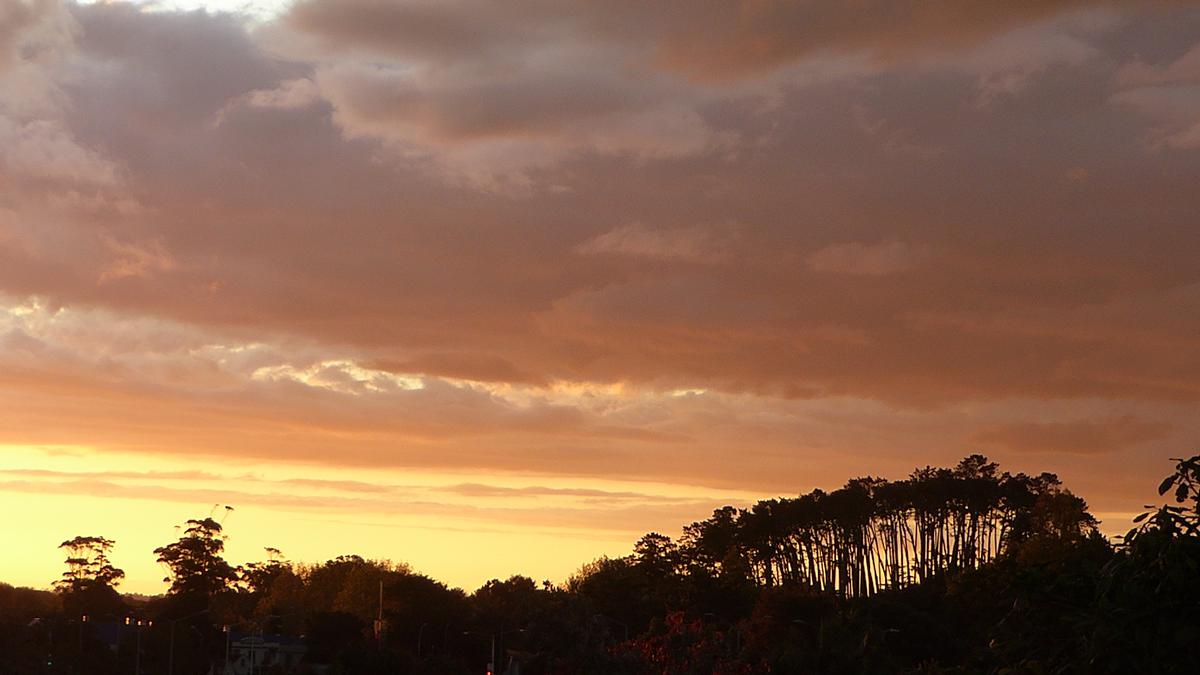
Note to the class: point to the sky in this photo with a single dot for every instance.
(497, 287)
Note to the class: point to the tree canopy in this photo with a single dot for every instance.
(194, 563)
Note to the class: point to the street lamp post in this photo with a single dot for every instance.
(493, 636)
(262, 632)
(420, 634)
(79, 654)
(137, 644)
(171, 650)
(254, 649)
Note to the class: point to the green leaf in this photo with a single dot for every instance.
(1141, 517)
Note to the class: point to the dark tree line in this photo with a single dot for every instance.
(875, 534)
(956, 570)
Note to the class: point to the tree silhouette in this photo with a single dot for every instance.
(88, 565)
(88, 586)
(1184, 486)
(873, 534)
(194, 563)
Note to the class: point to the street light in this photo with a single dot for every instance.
(79, 655)
(137, 653)
(261, 638)
(171, 651)
(420, 634)
(492, 664)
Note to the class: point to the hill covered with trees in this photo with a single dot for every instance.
(950, 570)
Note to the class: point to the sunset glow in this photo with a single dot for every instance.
(498, 287)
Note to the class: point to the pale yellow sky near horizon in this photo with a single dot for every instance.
(314, 514)
(51, 495)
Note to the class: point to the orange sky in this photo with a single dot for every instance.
(497, 287)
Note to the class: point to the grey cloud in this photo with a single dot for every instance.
(877, 259)
(1083, 437)
(695, 244)
(30, 30)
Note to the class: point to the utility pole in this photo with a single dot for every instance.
(228, 630)
(491, 669)
(79, 655)
(420, 634)
(379, 620)
(171, 650)
(137, 654)
(253, 653)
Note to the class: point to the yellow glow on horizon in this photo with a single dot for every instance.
(491, 530)
(465, 527)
